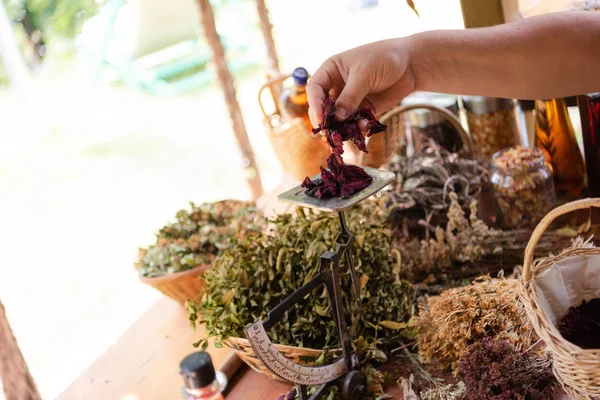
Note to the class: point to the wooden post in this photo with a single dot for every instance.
(478, 13)
(273, 70)
(267, 31)
(17, 382)
(226, 81)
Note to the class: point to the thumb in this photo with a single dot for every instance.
(352, 95)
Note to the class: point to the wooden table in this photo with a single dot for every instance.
(144, 363)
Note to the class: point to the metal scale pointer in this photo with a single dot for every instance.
(348, 365)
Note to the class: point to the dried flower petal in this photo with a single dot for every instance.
(581, 325)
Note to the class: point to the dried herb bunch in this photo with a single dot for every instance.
(423, 185)
(260, 270)
(495, 370)
(197, 236)
(460, 317)
(463, 241)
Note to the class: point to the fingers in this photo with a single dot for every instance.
(353, 94)
(326, 78)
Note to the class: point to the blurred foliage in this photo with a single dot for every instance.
(53, 17)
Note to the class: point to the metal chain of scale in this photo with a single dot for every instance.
(355, 381)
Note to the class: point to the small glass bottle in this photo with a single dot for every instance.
(294, 101)
(522, 186)
(555, 136)
(589, 110)
(201, 382)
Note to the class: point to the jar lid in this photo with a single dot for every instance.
(197, 370)
(483, 105)
(423, 117)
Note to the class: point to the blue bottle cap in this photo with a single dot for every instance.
(300, 76)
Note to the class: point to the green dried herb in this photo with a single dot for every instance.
(262, 269)
(197, 236)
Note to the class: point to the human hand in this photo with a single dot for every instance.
(376, 75)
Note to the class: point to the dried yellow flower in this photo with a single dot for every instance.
(459, 317)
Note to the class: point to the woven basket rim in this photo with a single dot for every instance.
(545, 264)
(200, 268)
(246, 342)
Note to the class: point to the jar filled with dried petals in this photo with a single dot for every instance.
(523, 187)
(492, 124)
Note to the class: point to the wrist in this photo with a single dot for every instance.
(418, 68)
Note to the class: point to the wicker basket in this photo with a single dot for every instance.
(300, 152)
(383, 146)
(298, 355)
(577, 369)
(180, 286)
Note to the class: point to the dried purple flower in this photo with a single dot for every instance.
(494, 370)
(581, 325)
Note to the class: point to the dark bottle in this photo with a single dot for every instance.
(554, 135)
(294, 101)
(201, 382)
(589, 109)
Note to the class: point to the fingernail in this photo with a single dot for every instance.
(340, 113)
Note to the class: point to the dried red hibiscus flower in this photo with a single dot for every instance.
(338, 132)
(341, 179)
(581, 325)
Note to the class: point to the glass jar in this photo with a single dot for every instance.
(424, 124)
(492, 124)
(522, 187)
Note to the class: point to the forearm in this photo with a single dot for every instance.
(552, 56)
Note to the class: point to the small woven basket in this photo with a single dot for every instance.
(577, 369)
(384, 145)
(180, 286)
(298, 355)
(300, 152)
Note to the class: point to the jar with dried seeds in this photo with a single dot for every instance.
(492, 124)
(523, 187)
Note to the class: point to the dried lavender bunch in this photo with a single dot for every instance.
(423, 185)
(460, 317)
(197, 236)
(495, 370)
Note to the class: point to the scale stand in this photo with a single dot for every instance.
(348, 364)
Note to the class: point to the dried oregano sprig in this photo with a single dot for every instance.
(260, 270)
(197, 236)
(463, 316)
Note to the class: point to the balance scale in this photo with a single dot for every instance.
(348, 364)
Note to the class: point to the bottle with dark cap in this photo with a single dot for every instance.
(201, 381)
(294, 101)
